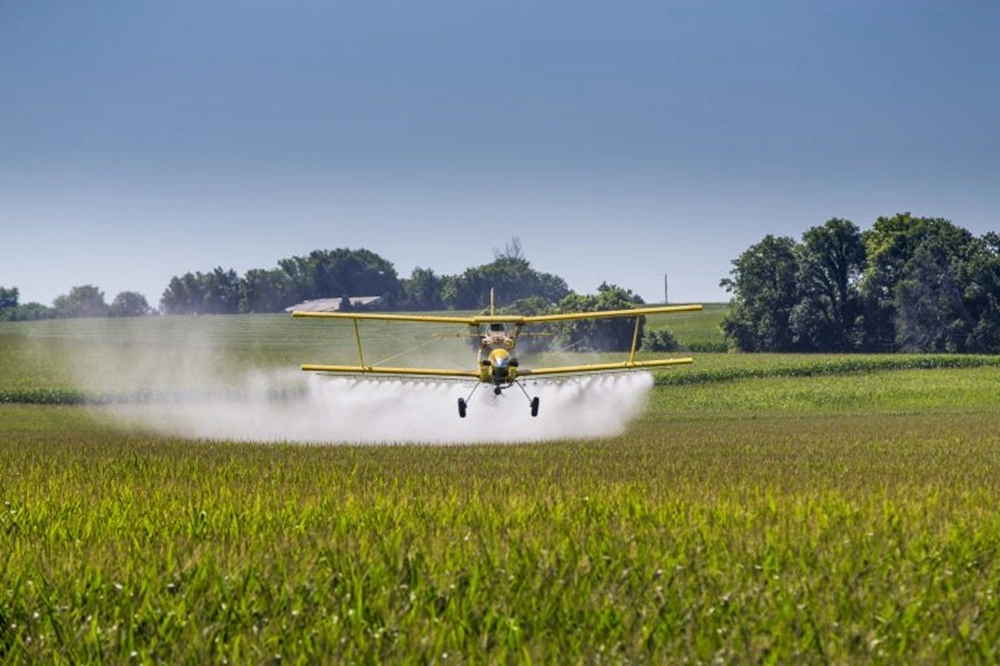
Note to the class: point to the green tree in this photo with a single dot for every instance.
(765, 288)
(129, 304)
(979, 276)
(599, 334)
(221, 290)
(510, 277)
(8, 303)
(184, 295)
(217, 292)
(81, 301)
(530, 306)
(31, 312)
(913, 296)
(8, 297)
(910, 283)
(265, 291)
(422, 290)
(930, 315)
(659, 340)
(550, 287)
(341, 272)
(831, 260)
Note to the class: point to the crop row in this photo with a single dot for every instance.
(719, 371)
(824, 366)
(63, 396)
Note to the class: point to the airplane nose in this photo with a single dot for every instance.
(499, 358)
(499, 364)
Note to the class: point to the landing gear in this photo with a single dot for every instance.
(531, 401)
(463, 403)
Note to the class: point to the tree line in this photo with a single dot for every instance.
(344, 272)
(81, 301)
(320, 274)
(907, 284)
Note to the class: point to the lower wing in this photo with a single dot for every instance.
(442, 373)
(398, 372)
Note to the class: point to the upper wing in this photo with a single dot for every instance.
(607, 314)
(499, 319)
(594, 368)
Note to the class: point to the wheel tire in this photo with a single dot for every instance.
(461, 407)
(534, 407)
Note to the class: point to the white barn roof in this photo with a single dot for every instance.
(333, 304)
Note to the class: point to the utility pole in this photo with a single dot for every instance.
(666, 290)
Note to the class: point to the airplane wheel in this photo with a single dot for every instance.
(461, 407)
(534, 407)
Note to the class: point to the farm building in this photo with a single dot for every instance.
(334, 304)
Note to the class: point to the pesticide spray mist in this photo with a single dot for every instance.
(189, 384)
(338, 410)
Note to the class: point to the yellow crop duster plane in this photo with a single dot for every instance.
(497, 362)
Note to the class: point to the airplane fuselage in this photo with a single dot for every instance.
(497, 360)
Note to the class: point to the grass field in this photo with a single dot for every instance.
(696, 331)
(763, 509)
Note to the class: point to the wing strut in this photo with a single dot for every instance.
(635, 340)
(357, 336)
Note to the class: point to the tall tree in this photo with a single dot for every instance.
(930, 315)
(184, 295)
(341, 272)
(423, 290)
(831, 261)
(911, 259)
(8, 303)
(129, 304)
(8, 297)
(266, 291)
(81, 301)
(765, 288)
(979, 276)
(511, 278)
(221, 288)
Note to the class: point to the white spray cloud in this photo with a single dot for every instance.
(344, 410)
(200, 390)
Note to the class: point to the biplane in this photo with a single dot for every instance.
(496, 361)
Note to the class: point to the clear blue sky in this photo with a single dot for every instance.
(618, 140)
